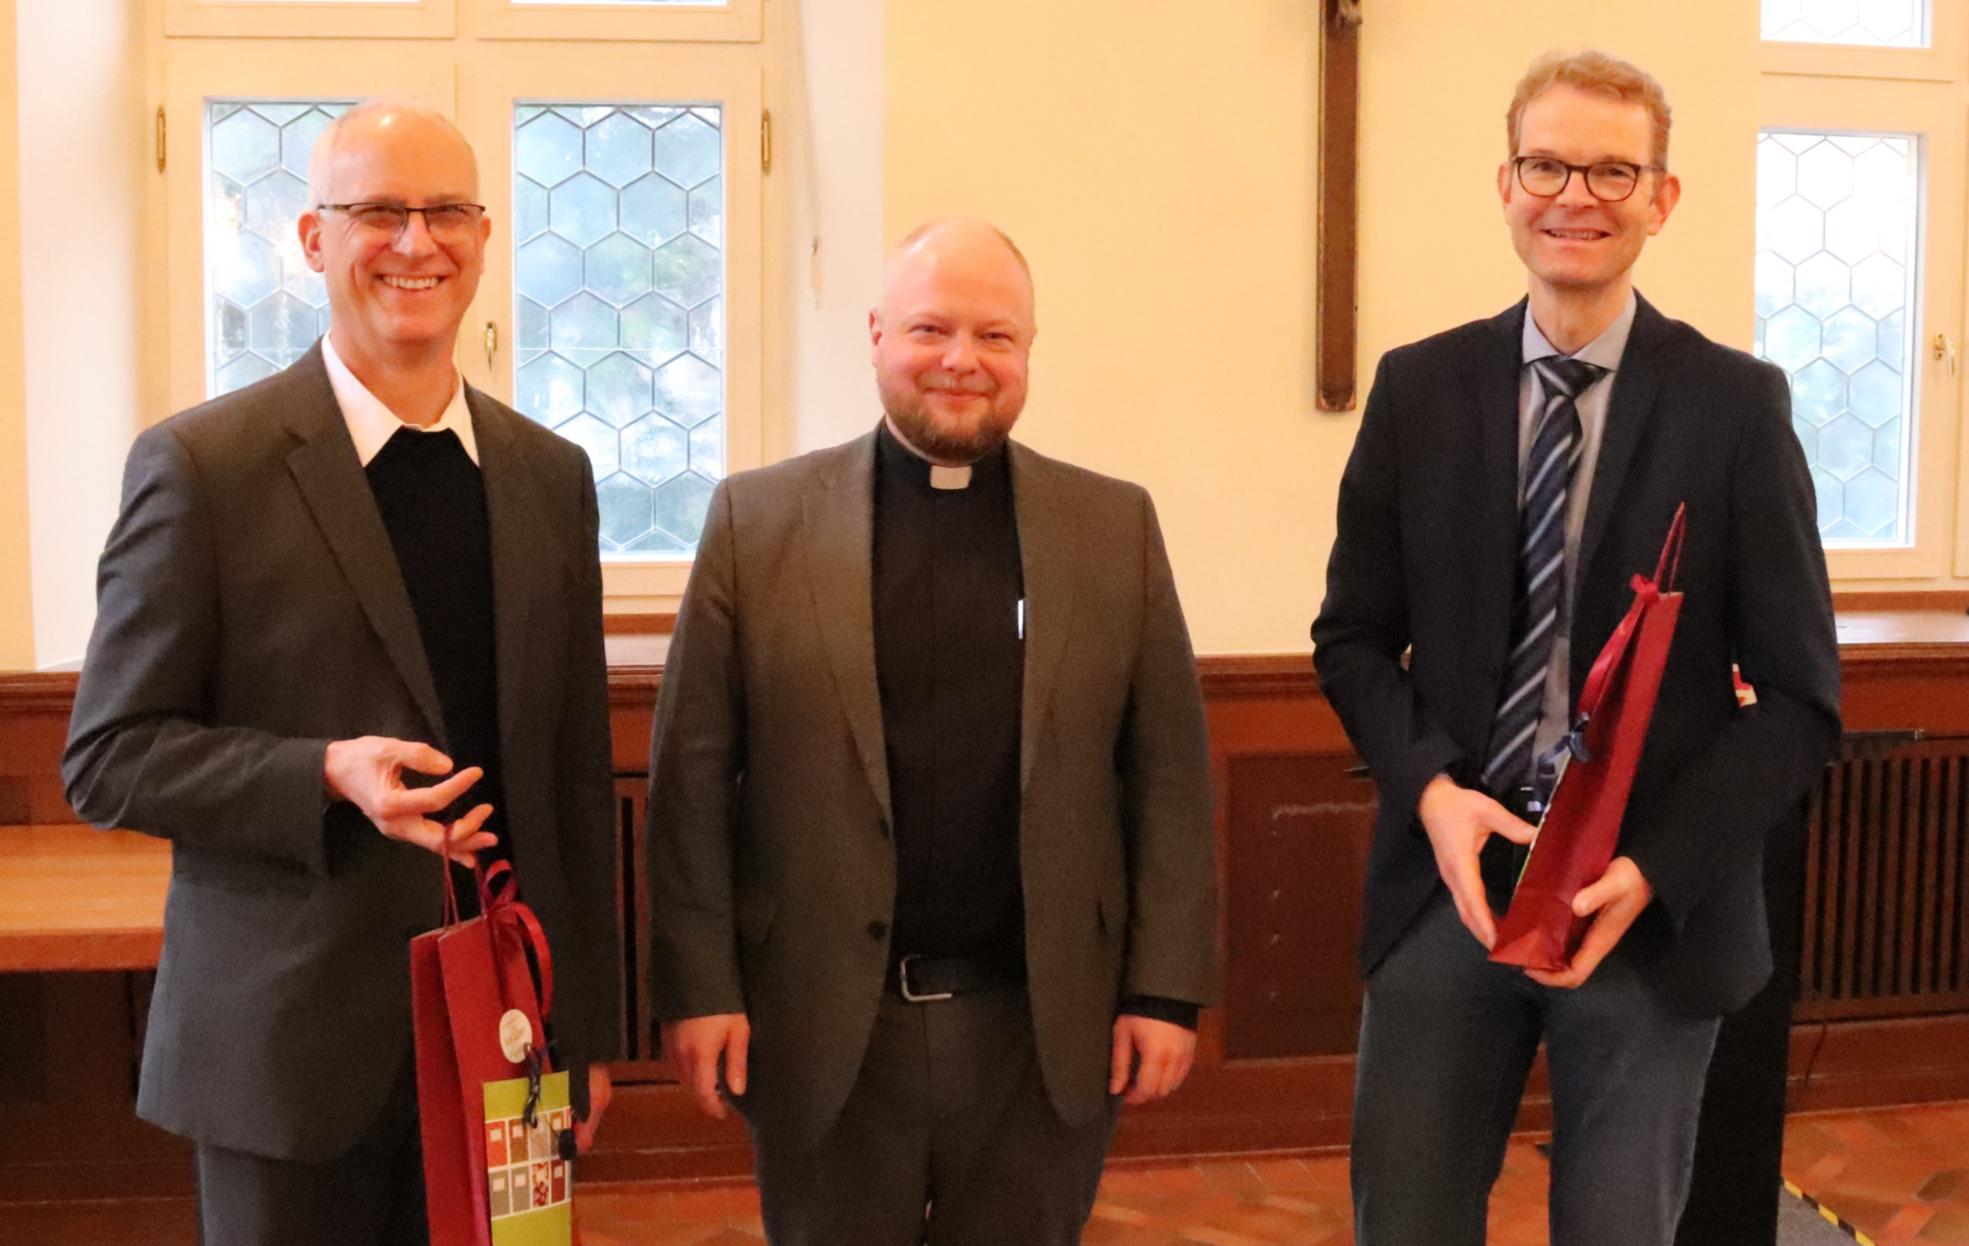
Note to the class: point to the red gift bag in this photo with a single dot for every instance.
(496, 1125)
(1581, 828)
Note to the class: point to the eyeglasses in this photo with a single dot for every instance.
(447, 221)
(1609, 181)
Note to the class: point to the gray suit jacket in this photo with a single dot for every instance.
(250, 610)
(772, 871)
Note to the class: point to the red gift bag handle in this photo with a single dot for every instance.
(1668, 569)
(499, 900)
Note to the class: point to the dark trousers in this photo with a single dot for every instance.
(372, 1196)
(948, 1137)
(1447, 1040)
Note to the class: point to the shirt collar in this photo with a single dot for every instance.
(372, 424)
(1604, 350)
(900, 462)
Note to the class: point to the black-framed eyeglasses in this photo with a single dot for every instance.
(442, 220)
(1609, 181)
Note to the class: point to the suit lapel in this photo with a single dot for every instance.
(838, 530)
(1048, 555)
(515, 519)
(332, 483)
(1636, 383)
(1495, 367)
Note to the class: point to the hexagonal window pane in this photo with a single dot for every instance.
(655, 449)
(549, 269)
(1875, 394)
(618, 268)
(688, 151)
(626, 507)
(688, 271)
(547, 149)
(619, 389)
(1855, 23)
(681, 504)
(654, 210)
(1845, 447)
(257, 157)
(581, 328)
(655, 327)
(1818, 392)
(583, 209)
(281, 329)
(1849, 338)
(618, 148)
(689, 390)
(244, 145)
(626, 179)
(1822, 285)
(1835, 318)
(597, 438)
(549, 390)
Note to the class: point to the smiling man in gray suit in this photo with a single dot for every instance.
(930, 840)
(352, 571)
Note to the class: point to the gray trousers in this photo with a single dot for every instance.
(948, 1137)
(373, 1196)
(1447, 1040)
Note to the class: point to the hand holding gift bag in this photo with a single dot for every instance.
(497, 1126)
(1596, 761)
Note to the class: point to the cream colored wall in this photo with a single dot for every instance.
(16, 583)
(1154, 160)
(83, 147)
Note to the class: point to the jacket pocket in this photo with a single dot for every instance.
(755, 917)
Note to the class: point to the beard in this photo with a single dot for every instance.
(960, 439)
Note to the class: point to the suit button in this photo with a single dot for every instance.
(878, 930)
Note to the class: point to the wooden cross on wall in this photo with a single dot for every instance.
(1335, 249)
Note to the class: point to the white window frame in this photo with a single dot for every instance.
(234, 19)
(476, 81)
(1925, 92)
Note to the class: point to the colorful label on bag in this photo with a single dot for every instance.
(529, 1189)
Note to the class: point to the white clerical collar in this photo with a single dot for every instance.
(371, 424)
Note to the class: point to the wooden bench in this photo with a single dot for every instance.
(75, 898)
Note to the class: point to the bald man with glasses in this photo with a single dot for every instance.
(349, 626)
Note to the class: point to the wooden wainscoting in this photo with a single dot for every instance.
(1883, 1016)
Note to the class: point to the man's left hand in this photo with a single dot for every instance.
(1157, 1053)
(1619, 896)
(600, 1091)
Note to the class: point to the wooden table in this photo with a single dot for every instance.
(75, 898)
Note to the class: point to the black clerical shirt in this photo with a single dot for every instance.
(950, 664)
(949, 594)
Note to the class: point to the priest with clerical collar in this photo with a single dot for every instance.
(930, 836)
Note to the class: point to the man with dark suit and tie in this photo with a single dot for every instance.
(1509, 477)
(931, 855)
(356, 571)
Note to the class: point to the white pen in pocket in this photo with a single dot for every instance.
(1022, 618)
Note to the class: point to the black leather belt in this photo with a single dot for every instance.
(930, 979)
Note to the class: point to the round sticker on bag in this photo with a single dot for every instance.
(515, 1035)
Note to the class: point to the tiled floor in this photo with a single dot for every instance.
(1896, 1176)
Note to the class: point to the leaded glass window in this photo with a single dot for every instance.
(1857, 23)
(264, 306)
(1836, 270)
(619, 275)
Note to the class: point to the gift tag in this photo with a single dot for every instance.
(515, 1035)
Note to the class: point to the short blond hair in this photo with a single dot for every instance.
(1600, 74)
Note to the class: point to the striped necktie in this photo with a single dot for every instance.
(1541, 560)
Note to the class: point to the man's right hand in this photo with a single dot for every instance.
(695, 1046)
(368, 773)
(1458, 821)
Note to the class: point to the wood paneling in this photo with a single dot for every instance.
(1275, 1065)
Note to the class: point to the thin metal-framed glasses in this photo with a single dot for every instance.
(441, 220)
(1609, 181)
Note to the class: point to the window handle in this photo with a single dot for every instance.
(491, 346)
(1945, 352)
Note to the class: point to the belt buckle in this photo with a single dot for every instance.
(909, 993)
